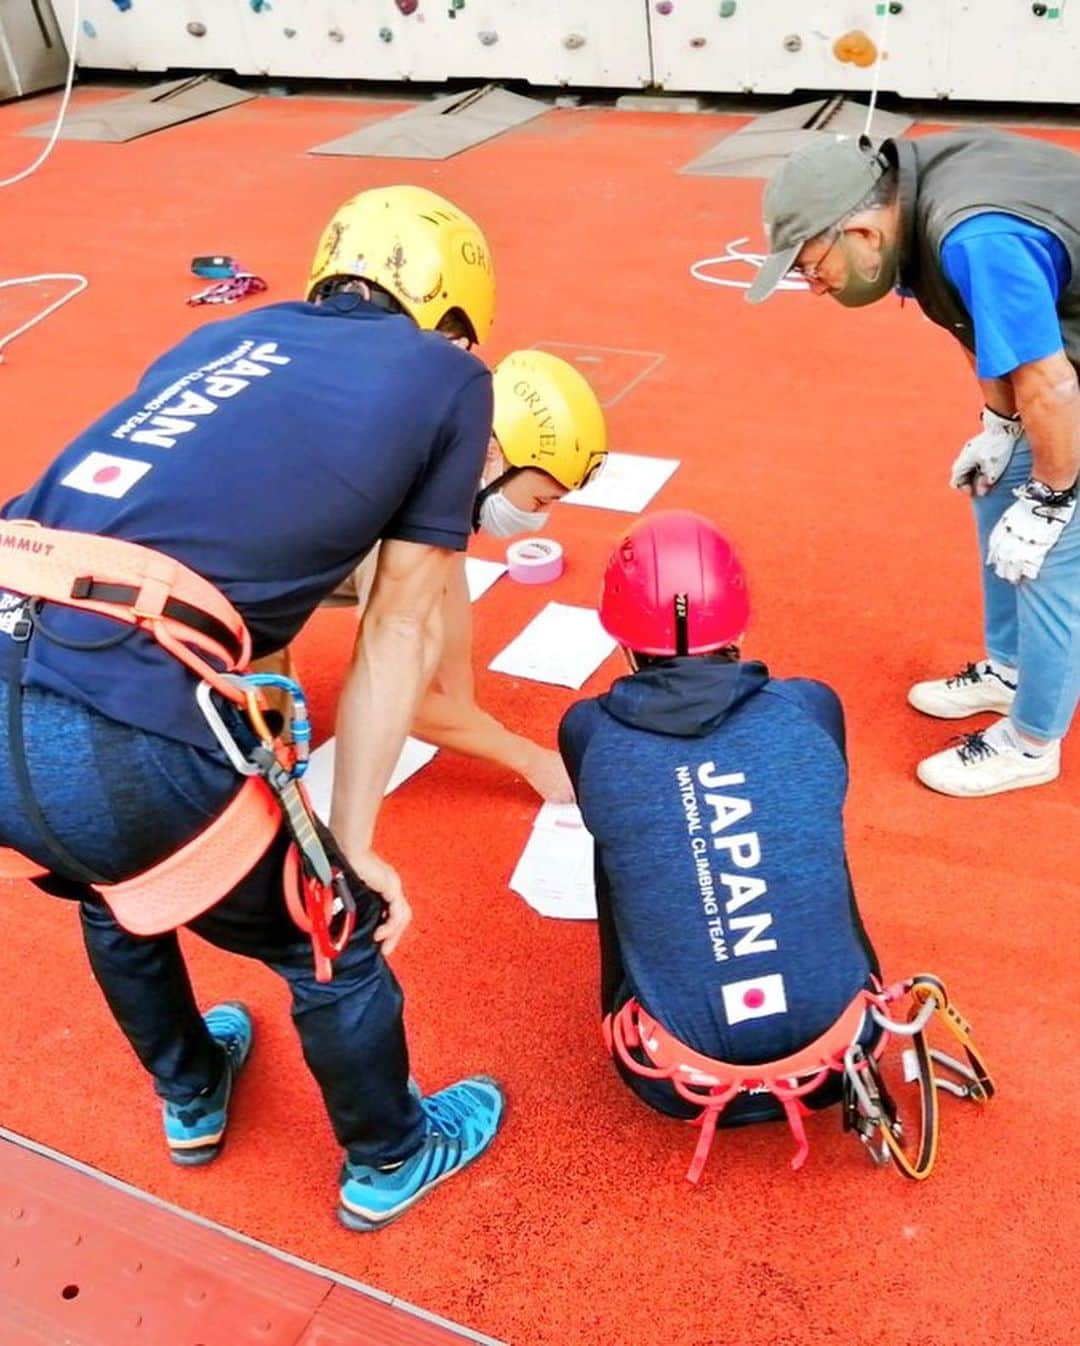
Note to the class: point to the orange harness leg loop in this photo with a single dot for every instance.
(712, 1084)
(175, 890)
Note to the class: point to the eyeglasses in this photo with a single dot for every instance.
(812, 270)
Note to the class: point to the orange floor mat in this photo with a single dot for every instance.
(821, 439)
(88, 1261)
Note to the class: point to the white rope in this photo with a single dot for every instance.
(876, 83)
(8, 182)
(752, 259)
(79, 282)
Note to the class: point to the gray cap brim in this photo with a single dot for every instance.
(772, 272)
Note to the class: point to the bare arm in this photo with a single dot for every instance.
(997, 394)
(1047, 397)
(397, 650)
(454, 675)
(450, 718)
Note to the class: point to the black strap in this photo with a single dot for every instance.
(53, 851)
(126, 595)
(682, 635)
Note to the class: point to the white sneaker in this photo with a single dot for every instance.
(974, 689)
(977, 767)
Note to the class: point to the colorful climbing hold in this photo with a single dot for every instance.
(727, 9)
(855, 46)
(197, 29)
(386, 35)
(407, 7)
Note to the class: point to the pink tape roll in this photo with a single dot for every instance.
(534, 560)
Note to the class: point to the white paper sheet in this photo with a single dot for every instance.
(563, 645)
(480, 575)
(319, 777)
(627, 481)
(555, 872)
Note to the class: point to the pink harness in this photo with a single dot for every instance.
(869, 1110)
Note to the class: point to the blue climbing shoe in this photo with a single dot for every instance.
(195, 1131)
(461, 1123)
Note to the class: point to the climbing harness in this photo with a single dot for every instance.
(647, 1049)
(191, 619)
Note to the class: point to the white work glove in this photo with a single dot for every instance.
(985, 457)
(1027, 530)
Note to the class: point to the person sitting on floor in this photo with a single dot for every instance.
(736, 976)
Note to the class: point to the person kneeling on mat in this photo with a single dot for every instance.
(737, 981)
(201, 520)
(548, 438)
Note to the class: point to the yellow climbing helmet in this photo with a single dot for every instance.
(418, 246)
(547, 416)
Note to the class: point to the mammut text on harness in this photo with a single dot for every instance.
(191, 619)
(646, 1048)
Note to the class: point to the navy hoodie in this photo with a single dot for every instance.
(715, 796)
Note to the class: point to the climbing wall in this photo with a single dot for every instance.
(573, 42)
(785, 45)
(999, 50)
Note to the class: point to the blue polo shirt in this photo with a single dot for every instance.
(268, 452)
(1009, 274)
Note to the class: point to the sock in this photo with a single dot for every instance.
(1003, 672)
(1004, 734)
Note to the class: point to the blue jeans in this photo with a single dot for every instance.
(1034, 626)
(119, 799)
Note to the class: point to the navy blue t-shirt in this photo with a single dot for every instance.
(715, 797)
(268, 452)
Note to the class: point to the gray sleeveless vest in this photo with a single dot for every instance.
(949, 177)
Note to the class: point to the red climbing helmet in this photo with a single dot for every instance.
(673, 585)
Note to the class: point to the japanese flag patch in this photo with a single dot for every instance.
(105, 474)
(755, 998)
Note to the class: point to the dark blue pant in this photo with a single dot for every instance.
(119, 800)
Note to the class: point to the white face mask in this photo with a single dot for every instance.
(500, 517)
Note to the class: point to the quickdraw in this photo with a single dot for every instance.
(191, 619)
(645, 1047)
(317, 893)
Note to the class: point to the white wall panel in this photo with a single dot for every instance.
(999, 50)
(154, 35)
(1013, 54)
(602, 43)
(791, 44)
